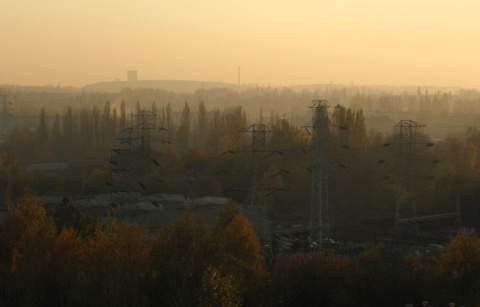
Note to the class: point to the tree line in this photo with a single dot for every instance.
(205, 155)
(61, 258)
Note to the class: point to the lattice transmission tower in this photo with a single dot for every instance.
(133, 157)
(406, 219)
(257, 193)
(405, 207)
(319, 208)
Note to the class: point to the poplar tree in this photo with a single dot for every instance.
(184, 129)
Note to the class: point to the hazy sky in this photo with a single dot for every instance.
(282, 42)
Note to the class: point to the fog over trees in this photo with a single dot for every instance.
(82, 128)
(201, 153)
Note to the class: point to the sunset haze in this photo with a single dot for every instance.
(75, 43)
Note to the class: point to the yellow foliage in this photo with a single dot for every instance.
(116, 261)
(413, 262)
(458, 268)
(68, 246)
(27, 233)
(218, 289)
(241, 242)
(181, 242)
(369, 261)
(461, 256)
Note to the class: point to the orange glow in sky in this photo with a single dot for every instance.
(428, 42)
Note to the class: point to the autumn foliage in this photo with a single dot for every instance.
(47, 263)
(61, 259)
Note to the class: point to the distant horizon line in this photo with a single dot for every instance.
(3, 85)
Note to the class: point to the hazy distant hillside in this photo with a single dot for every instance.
(387, 88)
(190, 87)
(178, 86)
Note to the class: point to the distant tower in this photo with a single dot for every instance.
(132, 76)
(133, 158)
(319, 215)
(258, 154)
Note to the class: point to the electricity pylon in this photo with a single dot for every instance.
(257, 189)
(258, 131)
(319, 209)
(132, 158)
(405, 206)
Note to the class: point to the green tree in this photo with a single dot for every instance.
(69, 135)
(230, 122)
(183, 132)
(43, 127)
(106, 122)
(202, 126)
(85, 128)
(169, 120)
(123, 116)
